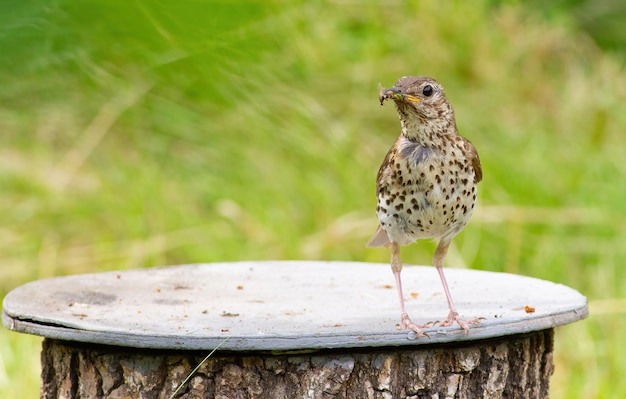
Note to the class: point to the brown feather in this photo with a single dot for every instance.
(379, 239)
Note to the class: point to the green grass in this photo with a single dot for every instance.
(136, 135)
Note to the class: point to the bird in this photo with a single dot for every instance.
(426, 186)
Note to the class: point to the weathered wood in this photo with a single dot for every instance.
(281, 306)
(517, 366)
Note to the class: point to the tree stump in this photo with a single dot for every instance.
(290, 330)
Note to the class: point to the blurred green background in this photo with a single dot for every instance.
(139, 134)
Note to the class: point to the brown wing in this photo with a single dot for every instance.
(472, 155)
(380, 237)
(384, 173)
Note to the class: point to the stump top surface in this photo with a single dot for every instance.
(281, 305)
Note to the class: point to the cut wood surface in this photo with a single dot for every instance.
(288, 305)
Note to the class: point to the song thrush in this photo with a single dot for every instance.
(426, 186)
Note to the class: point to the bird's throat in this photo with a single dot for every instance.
(425, 132)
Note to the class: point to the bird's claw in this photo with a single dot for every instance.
(407, 324)
(453, 317)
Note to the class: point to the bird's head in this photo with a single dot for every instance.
(421, 104)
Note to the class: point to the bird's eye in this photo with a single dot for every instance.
(427, 91)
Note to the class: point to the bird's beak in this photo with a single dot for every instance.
(395, 93)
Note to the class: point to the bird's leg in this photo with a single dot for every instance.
(453, 315)
(396, 267)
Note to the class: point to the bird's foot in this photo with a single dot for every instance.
(406, 323)
(453, 317)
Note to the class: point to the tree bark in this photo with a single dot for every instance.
(517, 366)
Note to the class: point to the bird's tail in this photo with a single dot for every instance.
(379, 239)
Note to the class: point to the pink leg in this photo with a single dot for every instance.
(396, 267)
(453, 315)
